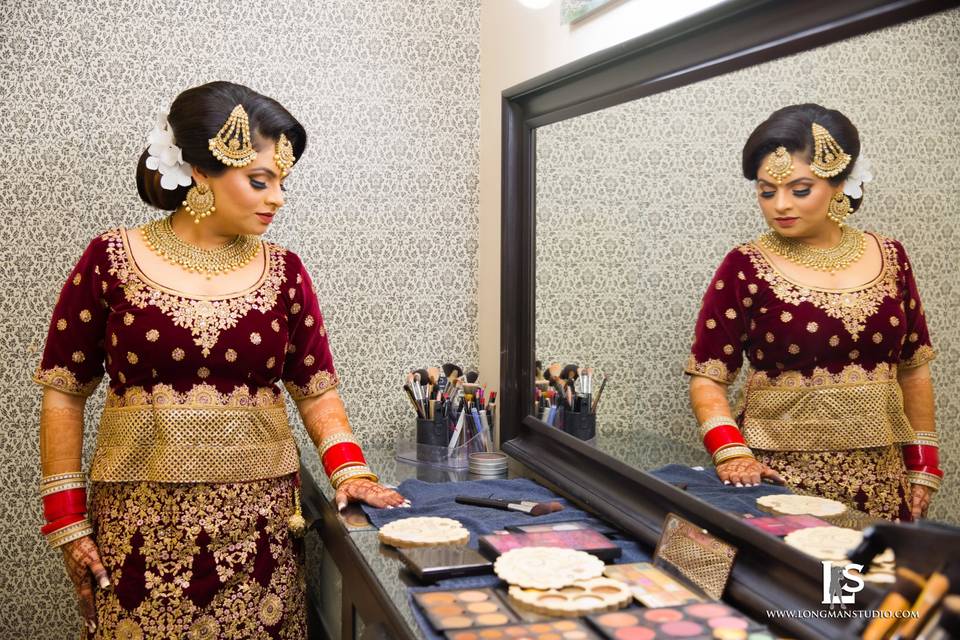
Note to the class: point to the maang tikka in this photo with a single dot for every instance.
(232, 145)
(780, 165)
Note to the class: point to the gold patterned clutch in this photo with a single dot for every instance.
(691, 552)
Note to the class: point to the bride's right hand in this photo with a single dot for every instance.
(82, 561)
(746, 472)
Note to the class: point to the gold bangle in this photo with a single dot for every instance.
(716, 421)
(57, 488)
(352, 463)
(338, 438)
(928, 438)
(356, 471)
(729, 453)
(70, 533)
(73, 475)
(925, 479)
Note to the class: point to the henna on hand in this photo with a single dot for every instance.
(372, 493)
(746, 472)
(82, 562)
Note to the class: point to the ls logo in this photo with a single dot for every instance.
(840, 583)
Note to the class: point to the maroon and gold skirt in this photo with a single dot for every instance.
(870, 480)
(198, 561)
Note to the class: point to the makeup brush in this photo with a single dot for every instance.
(596, 401)
(900, 598)
(452, 372)
(524, 506)
(433, 373)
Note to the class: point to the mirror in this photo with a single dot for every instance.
(637, 204)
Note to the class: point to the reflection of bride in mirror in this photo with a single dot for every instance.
(839, 401)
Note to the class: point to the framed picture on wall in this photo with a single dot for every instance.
(573, 11)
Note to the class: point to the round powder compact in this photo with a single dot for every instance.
(485, 463)
(424, 532)
(794, 505)
(593, 596)
(825, 543)
(546, 567)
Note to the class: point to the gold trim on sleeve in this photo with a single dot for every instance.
(62, 379)
(321, 382)
(713, 369)
(924, 354)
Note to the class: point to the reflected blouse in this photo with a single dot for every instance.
(194, 380)
(823, 362)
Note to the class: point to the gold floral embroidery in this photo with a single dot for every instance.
(769, 337)
(230, 355)
(128, 319)
(914, 337)
(923, 355)
(153, 335)
(713, 369)
(711, 323)
(309, 360)
(852, 307)
(128, 630)
(85, 315)
(319, 383)
(275, 325)
(200, 395)
(291, 292)
(812, 327)
(731, 314)
(255, 338)
(178, 354)
(205, 319)
(295, 308)
(78, 357)
(728, 349)
(759, 354)
(241, 521)
(132, 358)
(122, 378)
(870, 480)
(853, 355)
(270, 362)
(786, 316)
(308, 321)
(747, 302)
(877, 337)
(752, 288)
(76, 279)
(322, 331)
(834, 341)
(113, 339)
(62, 379)
(203, 372)
(894, 321)
(61, 324)
(793, 349)
(719, 285)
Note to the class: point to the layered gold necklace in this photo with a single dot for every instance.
(160, 237)
(849, 250)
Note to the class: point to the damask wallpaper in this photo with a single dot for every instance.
(637, 204)
(389, 94)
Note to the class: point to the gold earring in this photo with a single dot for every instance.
(829, 158)
(839, 208)
(199, 202)
(232, 145)
(284, 155)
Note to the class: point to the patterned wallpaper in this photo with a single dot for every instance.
(389, 94)
(637, 204)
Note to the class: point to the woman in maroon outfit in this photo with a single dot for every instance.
(838, 401)
(197, 322)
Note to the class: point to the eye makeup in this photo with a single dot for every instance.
(589, 540)
(464, 609)
(699, 621)
(549, 630)
(651, 586)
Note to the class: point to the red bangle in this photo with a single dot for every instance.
(60, 523)
(342, 454)
(721, 436)
(64, 503)
(921, 455)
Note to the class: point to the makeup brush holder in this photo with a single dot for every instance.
(580, 425)
(412, 451)
(433, 433)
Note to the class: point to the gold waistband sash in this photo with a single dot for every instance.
(829, 417)
(196, 443)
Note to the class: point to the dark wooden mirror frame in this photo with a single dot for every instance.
(730, 36)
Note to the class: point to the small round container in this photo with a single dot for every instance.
(488, 464)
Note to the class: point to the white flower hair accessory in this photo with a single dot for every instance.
(166, 157)
(861, 173)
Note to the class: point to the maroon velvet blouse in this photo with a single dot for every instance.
(164, 348)
(822, 360)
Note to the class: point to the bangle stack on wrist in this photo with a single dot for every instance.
(922, 459)
(723, 440)
(65, 508)
(343, 459)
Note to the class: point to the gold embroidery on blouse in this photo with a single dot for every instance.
(894, 321)
(853, 409)
(752, 288)
(786, 316)
(923, 355)
(201, 395)
(711, 323)
(308, 321)
(255, 338)
(61, 324)
(728, 349)
(203, 372)
(851, 306)
(719, 285)
(78, 357)
(62, 379)
(731, 314)
(853, 355)
(834, 341)
(128, 319)
(270, 362)
(713, 369)
(132, 357)
(85, 315)
(230, 355)
(793, 349)
(812, 327)
(295, 308)
(275, 325)
(319, 383)
(153, 335)
(76, 279)
(205, 318)
(178, 354)
(877, 337)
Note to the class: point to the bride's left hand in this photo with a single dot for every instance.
(920, 496)
(370, 492)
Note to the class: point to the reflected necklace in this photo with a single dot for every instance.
(849, 250)
(159, 236)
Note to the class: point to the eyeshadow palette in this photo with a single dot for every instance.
(588, 540)
(463, 608)
(651, 586)
(700, 621)
(558, 630)
(578, 599)
(565, 525)
(782, 525)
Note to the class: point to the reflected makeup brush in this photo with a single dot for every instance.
(596, 401)
(553, 374)
(452, 371)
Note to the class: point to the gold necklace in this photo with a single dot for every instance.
(160, 237)
(849, 250)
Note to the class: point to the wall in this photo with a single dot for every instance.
(389, 93)
(517, 44)
(638, 204)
